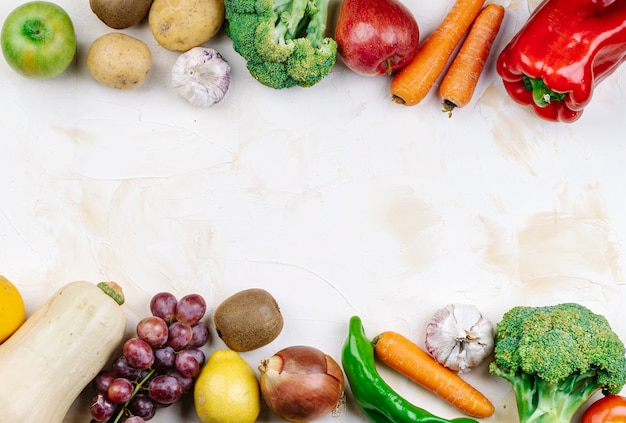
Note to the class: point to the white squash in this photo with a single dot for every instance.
(56, 353)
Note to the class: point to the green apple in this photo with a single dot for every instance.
(38, 39)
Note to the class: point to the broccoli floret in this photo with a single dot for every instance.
(556, 357)
(273, 49)
(307, 62)
(243, 43)
(271, 74)
(282, 41)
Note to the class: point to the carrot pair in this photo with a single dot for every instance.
(414, 81)
(406, 357)
(459, 83)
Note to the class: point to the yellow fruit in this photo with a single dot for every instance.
(227, 390)
(12, 312)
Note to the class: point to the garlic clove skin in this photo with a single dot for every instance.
(202, 76)
(459, 337)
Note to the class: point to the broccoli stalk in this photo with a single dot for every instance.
(556, 358)
(539, 401)
(283, 41)
(290, 20)
(317, 25)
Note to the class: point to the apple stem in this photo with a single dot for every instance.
(36, 29)
(389, 70)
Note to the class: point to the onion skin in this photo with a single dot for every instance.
(301, 383)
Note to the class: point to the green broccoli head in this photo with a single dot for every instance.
(308, 64)
(256, 7)
(271, 47)
(283, 41)
(271, 74)
(241, 28)
(556, 357)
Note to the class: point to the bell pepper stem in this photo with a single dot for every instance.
(542, 94)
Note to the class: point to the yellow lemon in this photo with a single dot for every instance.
(12, 312)
(227, 390)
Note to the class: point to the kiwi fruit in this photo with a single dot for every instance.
(248, 320)
(120, 14)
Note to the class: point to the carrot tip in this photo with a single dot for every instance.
(397, 99)
(448, 106)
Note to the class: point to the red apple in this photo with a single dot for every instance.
(376, 37)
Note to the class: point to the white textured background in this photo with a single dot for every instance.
(335, 199)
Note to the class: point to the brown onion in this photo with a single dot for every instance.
(301, 383)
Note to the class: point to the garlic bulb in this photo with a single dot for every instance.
(202, 76)
(459, 337)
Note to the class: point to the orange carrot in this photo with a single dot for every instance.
(459, 82)
(413, 81)
(406, 357)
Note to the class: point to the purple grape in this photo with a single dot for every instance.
(180, 334)
(153, 330)
(120, 390)
(163, 305)
(102, 381)
(165, 389)
(186, 364)
(197, 354)
(186, 382)
(164, 357)
(190, 309)
(102, 409)
(122, 368)
(144, 373)
(142, 406)
(200, 335)
(138, 353)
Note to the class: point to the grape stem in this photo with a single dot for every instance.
(137, 389)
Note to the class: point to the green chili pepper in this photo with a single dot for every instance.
(374, 397)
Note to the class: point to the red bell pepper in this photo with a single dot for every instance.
(562, 52)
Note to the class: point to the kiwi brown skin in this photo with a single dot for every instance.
(248, 320)
(120, 14)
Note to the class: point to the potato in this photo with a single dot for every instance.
(179, 25)
(119, 61)
(120, 14)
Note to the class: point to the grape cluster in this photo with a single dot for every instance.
(157, 366)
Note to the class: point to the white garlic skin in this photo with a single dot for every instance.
(202, 76)
(459, 337)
